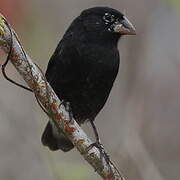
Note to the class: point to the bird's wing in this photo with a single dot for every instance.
(62, 60)
(66, 70)
(51, 68)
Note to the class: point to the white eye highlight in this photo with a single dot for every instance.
(108, 18)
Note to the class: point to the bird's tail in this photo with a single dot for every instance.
(55, 140)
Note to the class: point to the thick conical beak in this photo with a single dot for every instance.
(124, 27)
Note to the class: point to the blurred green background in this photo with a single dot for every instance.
(139, 125)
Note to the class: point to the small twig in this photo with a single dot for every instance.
(3, 66)
(51, 104)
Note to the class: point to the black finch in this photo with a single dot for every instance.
(84, 66)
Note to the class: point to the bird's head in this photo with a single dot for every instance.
(104, 21)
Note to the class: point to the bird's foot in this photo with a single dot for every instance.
(103, 154)
(68, 108)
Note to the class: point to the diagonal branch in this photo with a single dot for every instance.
(35, 79)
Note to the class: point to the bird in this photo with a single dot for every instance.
(83, 68)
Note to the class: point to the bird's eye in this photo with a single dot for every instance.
(108, 18)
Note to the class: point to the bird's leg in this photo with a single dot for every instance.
(68, 108)
(95, 131)
(98, 143)
(99, 146)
